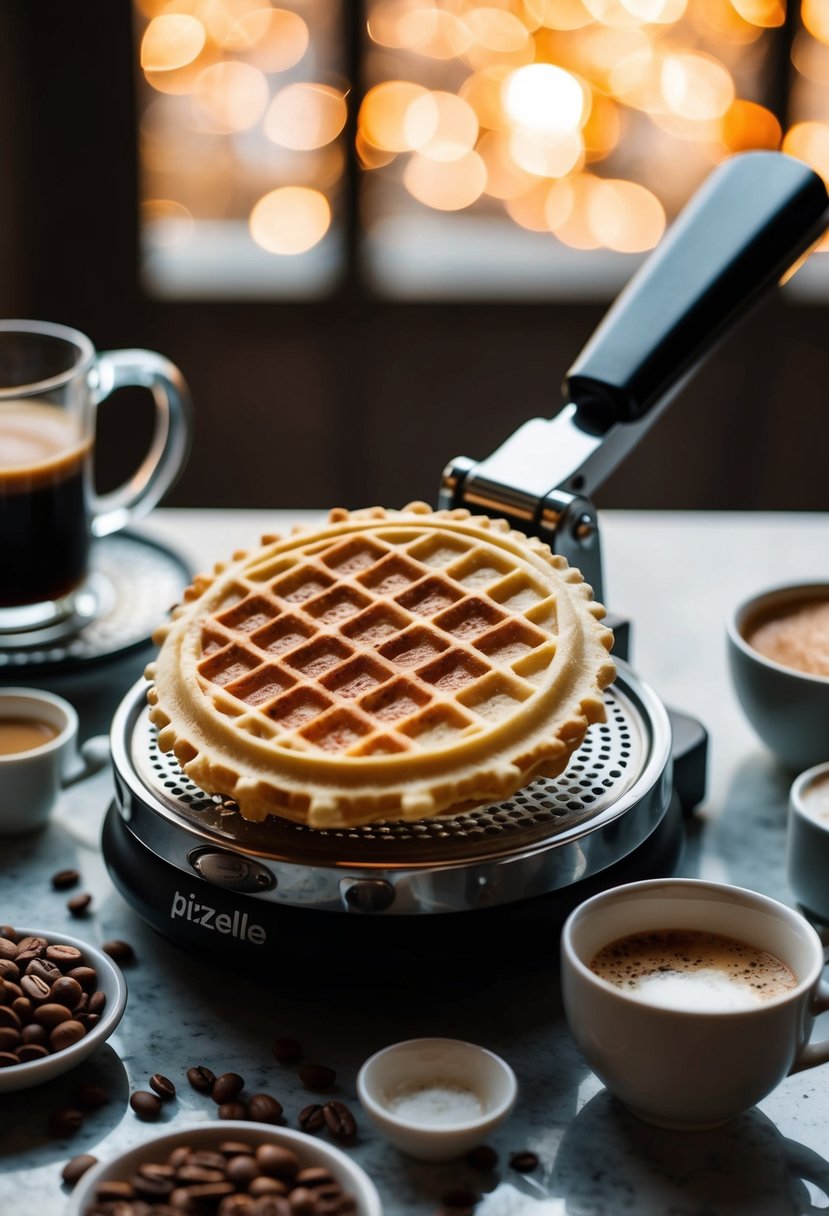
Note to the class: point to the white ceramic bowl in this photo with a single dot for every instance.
(788, 709)
(110, 981)
(435, 1099)
(310, 1151)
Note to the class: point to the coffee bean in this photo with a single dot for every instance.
(64, 879)
(287, 1051)
(8, 949)
(236, 1148)
(8, 1017)
(524, 1162)
(51, 1014)
(276, 1161)
(237, 1205)
(78, 905)
(9, 1038)
(302, 1200)
(65, 956)
(32, 1033)
(66, 992)
(339, 1120)
(66, 1121)
(311, 1118)
(314, 1176)
(317, 1076)
(482, 1158)
(31, 947)
(151, 1186)
(9, 970)
(44, 970)
(114, 1190)
(87, 977)
(201, 1078)
(242, 1170)
(232, 1110)
(272, 1205)
(35, 988)
(77, 1167)
(200, 1173)
(66, 1035)
(264, 1185)
(32, 1051)
(91, 1095)
(263, 1108)
(8, 931)
(118, 951)
(163, 1086)
(8, 1059)
(145, 1104)
(227, 1087)
(23, 1007)
(97, 1002)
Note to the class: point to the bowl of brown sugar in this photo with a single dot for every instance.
(778, 651)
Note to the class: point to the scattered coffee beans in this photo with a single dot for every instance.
(287, 1051)
(311, 1118)
(263, 1108)
(64, 879)
(201, 1078)
(145, 1104)
(163, 1086)
(78, 905)
(239, 1180)
(524, 1162)
(227, 1087)
(45, 1001)
(339, 1120)
(77, 1167)
(233, 1110)
(317, 1076)
(119, 952)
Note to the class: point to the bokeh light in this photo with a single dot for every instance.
(290, 220)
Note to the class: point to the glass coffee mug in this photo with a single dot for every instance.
(52, 382)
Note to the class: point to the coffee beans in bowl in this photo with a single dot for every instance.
(60, 998)
(230, 1169)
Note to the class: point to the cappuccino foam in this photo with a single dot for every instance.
(693, 970)
(795, 634)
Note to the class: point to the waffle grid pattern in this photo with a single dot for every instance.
(397, 642)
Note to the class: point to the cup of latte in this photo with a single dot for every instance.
(808, 842)
(692, 1000)
(52, 382)
(778, 653)
(38, 756)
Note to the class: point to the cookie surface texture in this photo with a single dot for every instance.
(386, 665)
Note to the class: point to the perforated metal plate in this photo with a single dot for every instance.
(607, 765)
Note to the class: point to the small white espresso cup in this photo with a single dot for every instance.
(31, 780)
(691, 1069)
(808, 841)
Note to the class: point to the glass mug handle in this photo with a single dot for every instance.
(171, 436)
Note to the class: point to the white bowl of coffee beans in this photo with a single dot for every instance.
(230, 1168)
(60, 999)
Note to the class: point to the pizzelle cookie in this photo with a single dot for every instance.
(387, 665)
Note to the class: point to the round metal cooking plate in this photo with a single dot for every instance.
(555, 831)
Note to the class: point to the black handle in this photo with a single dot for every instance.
(743, 229)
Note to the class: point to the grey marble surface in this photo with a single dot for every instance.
(677, 577)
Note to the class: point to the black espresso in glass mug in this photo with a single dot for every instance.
(51, 384)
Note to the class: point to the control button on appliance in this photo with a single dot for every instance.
(231, 871)
(367, 894)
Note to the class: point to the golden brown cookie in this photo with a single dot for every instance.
(386, 665)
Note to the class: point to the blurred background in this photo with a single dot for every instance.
(374, 234)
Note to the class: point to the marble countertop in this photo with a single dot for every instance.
(676, 576)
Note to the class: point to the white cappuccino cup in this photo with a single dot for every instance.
(694, 1066)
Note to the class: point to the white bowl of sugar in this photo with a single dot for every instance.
(435, 1099)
